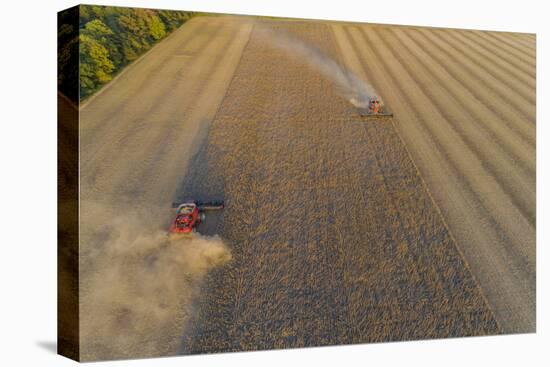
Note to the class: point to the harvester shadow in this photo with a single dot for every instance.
(203, 182)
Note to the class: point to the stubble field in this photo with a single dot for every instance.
(340, 229)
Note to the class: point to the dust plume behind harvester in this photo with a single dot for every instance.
(353, 88)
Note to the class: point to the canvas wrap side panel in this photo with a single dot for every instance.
(67, 185)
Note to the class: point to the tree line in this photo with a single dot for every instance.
(108, 39)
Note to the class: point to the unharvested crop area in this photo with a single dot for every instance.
(334, 237)
(339, 229)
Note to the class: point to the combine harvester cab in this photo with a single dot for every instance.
(375, 109)
(191, 213)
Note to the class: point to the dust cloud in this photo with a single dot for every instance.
(138, 286)
(348, 84)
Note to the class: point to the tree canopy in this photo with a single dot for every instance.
(108, 39)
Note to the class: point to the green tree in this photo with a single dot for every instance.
(95, 65)
(97, 28)
(112, 37)
(157, 28)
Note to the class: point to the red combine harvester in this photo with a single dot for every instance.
(375, 108)
(190, 214)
